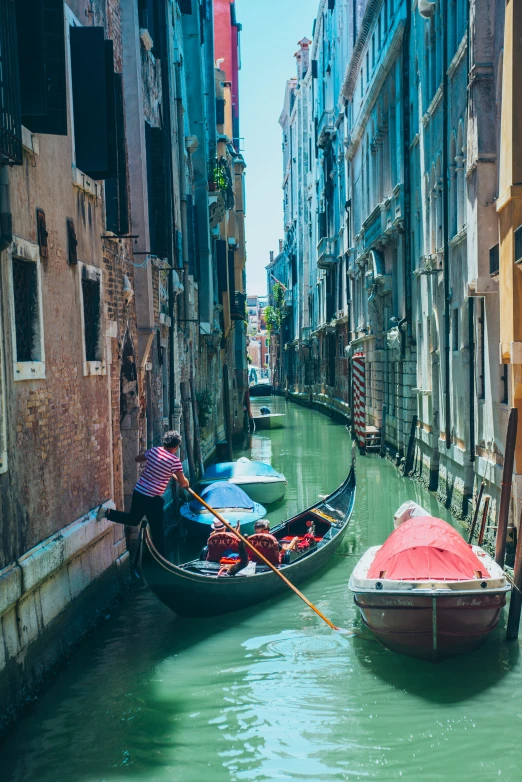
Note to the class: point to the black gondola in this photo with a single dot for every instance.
(260, 389)
(195, 589)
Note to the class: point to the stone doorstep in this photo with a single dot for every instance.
(49, 556)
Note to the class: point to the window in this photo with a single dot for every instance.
(504, 384)
(367, 67)
(373, 50)
(26, 311)
(266, 343)
(10, 123)
(494, 260)
(455, 330)
(91, 304)
(165, 381)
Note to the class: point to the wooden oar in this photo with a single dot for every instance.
(265, 560)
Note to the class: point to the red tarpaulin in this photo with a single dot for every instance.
(426, 548)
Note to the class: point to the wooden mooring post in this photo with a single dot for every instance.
(515, 603)
(484, 521)
(408, 464)
(507, 480)
(475, 515)
(382, 449)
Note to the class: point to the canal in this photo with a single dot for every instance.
(271, 693)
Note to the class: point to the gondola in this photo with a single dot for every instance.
(261, 389)
(194, 589)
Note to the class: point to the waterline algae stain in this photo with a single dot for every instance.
(270, 693)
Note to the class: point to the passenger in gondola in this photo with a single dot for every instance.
(268, 544)
(221, 542)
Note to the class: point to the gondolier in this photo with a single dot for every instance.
(162, 464)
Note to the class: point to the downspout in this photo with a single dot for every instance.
(183, 193)
(445, 206)
(174, 407)
(406, 169)
(471, 313)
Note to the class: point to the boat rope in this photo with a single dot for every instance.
(512, 583)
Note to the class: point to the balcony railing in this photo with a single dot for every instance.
(326, 252)
(289, 298)
(238, 306)
(326, 127)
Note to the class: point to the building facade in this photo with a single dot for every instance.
(113, 326)
(400, 254)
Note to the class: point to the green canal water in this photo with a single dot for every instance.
(271, 693)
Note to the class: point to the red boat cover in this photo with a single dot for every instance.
(425, 548)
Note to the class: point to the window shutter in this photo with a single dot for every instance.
(41, 229)
(72, 242)
(314, 69)
(221, 262)
(41, 57)
(331, 5)
(220, 111)
(157, 190)
(185, 6)
(10, 124)
(116, 196)
(92, 75)
(191, 238)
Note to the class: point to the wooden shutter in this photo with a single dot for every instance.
(191, 236)
(41, 57)
(185, 6)
(157, 191)
(42, 233)
(72, 242)
(10, 124)
(314, 69)
(116, 194)
(231, 274)
(92, 76)
(221, 262)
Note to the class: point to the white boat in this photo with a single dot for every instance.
(269, 421)
(259, 480)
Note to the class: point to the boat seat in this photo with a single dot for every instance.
(219, 542)
(267, 546)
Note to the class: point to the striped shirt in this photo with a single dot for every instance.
(160, 467)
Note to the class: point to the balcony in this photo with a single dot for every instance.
(325, 128)
(238, 306)
(326, 253)
(288, 301)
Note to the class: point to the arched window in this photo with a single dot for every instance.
(438, 197)
(433, 209)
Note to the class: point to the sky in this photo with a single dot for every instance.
(271, 30)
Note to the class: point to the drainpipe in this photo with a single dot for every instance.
(183, 192)
(406, 169)
(471, 343)
(174, 406)
(445, 206)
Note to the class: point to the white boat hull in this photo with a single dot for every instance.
(265, 490)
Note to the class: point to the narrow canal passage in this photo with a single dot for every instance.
(270, 693)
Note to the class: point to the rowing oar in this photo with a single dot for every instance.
(265, 560)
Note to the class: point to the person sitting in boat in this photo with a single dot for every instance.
(277, 553)
(265, 411)
(220, 543)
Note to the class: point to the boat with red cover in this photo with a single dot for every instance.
(428, 593)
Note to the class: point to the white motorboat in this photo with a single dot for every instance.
(259, 480)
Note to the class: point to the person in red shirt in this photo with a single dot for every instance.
(161, 464)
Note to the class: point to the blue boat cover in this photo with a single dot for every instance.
(242, 467)
(223, 495)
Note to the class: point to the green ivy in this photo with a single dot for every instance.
(274, 314)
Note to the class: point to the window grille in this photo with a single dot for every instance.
(10, 120)
(25, 289)
(518, 244)
(91, 318)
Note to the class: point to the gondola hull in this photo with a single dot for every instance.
(191, 594)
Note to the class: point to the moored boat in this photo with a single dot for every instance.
(259, 480)
(196, 589)
(269, 421)
(427, 593)
(231, 501)
(261, 389)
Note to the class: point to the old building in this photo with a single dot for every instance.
(111, 327)
(393, 310)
